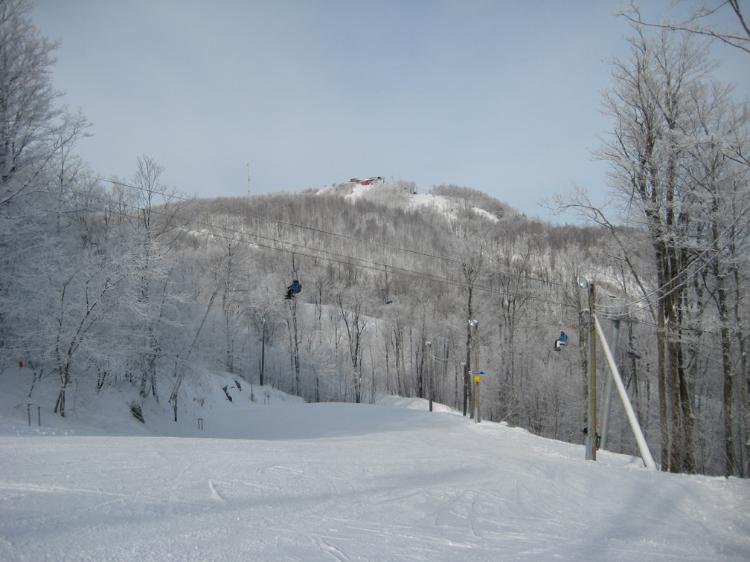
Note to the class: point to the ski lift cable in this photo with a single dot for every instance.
(654, 325)
(346, 260)
(670, 286)
(328, 233)
(332, 256)
(295, 225)
(643, 299)
(369, 264)
(343, 259)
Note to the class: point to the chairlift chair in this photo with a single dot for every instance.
(293, 289)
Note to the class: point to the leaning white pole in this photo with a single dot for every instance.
(648, 460)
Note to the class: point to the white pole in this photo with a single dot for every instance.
(648, 460)
(608, 387)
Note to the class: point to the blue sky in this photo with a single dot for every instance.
(501, 96)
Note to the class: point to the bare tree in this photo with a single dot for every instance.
(649, 106)
(31, 131)
(722, 202)
(355, 323)
(74, 322)
(514, 295)
(156, 215)
(699, 22)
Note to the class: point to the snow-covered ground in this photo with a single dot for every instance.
(438, 203)
(444, 205)
(334, 482)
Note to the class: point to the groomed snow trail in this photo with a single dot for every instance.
(355, 482)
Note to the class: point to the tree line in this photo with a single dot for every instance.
(124, 282)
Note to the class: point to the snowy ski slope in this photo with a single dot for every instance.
(343, 482)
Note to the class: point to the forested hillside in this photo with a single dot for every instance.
(125, 283)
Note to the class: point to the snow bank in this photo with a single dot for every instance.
(203, 407)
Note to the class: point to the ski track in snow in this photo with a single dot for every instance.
(344, 482)
(335, 552)
(215, 494)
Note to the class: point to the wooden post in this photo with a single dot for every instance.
(474, 326)
(430, 366)
(478, 418)
(263, 351)
(477, 379)
(466, 386)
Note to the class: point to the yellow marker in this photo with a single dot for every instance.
(477, 378)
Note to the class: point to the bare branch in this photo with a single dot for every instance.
(633, 15)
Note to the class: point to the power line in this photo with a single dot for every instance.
(670, 285)
(332, 257)
(366, 264)
(316, 230)
(295, 225)
(343, 259)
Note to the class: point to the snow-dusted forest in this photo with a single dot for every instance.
(127, 285)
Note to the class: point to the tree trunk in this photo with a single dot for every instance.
(744, 378)
(65, 380)
(226, 307)
(662, 388)
(675, 445)
(728, 371)
(296, 350)
(687, 415)
(744, 388)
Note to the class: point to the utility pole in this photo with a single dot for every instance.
(474, 326)
(466, 386)
(465, 374)
(444, 371)
(467, 363)
(429, 374)
(591, 430)
(263, 351)
(477, 379)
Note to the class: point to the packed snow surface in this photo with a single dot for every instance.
(307, 482)
(445, 206)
